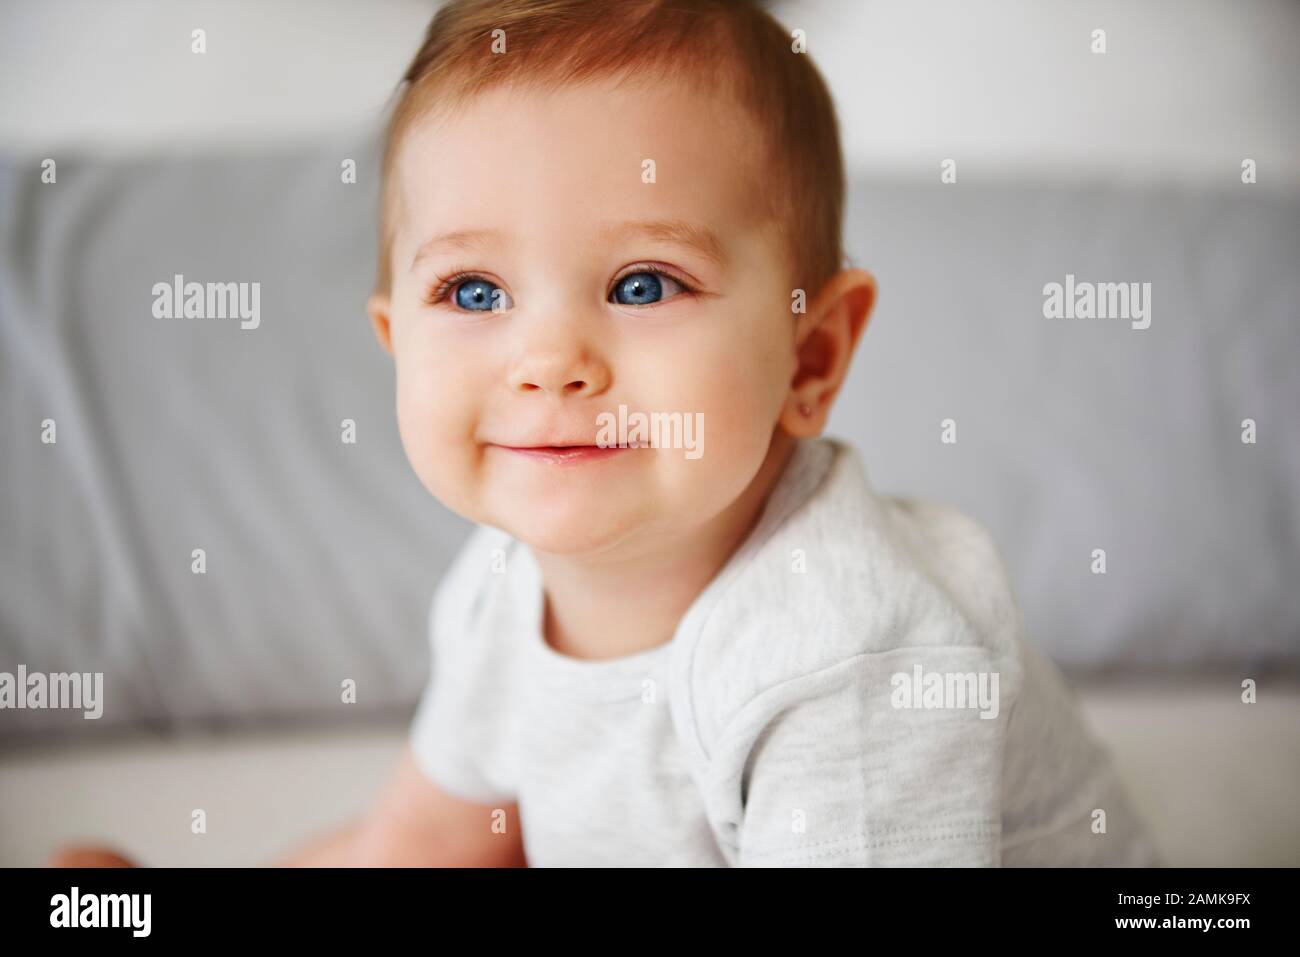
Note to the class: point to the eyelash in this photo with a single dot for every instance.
(442, 287)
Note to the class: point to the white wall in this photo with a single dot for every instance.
(1006, 87)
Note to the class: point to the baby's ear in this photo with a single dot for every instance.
(378, 305)
(826, 338)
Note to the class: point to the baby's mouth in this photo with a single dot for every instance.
(569, 454)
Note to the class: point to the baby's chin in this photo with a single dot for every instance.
(581, 509)
(564, 526)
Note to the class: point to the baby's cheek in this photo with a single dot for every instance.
(433, 424)
(732, 434)
(740, 408)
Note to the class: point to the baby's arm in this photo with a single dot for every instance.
(835, 768)
(415, 823)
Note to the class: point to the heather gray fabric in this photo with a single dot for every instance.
(852, 689)
(180, 434)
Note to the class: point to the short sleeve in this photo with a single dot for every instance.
(458, 735)
(885, 759)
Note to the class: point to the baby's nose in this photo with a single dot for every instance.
(565, 373)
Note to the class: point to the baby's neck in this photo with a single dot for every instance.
(626, 603)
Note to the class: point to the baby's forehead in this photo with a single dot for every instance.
(666, 147)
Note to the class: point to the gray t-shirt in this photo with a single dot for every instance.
(853, 688)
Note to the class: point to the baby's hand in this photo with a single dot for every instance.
(88, 855)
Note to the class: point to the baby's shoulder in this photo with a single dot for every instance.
(957, 562)
(853, 575)
(474, 582)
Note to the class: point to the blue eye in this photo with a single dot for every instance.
(476, 295)
(643, 288)
(473, 293)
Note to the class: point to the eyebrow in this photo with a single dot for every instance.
(697, 238)
(458, 239)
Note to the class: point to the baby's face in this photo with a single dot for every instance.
(602, 300)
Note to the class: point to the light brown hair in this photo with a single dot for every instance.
(732, 46)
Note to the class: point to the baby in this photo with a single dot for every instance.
(725, 651)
